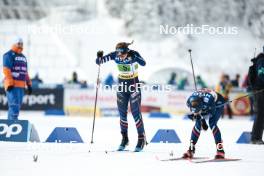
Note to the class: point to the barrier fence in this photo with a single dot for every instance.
(81, 101)
(39, 100)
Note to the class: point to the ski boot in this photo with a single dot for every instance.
(258, 142)
(190, 152)
(124, 142)
(141, 143)
(220, 153)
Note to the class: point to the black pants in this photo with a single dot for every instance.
(258, 126)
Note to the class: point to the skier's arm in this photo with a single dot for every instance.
(138, 58)
(28, 81)
(29, 84)
(209, 107)
(208, 104)
(106, 58)
(7, 65)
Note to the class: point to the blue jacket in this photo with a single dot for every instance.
(127, 67)
(210, 100)
(15, 70)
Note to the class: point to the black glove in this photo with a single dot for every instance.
(190, 116)
(193, 117)
(9, 88)
(203, 113)
(100, 54)
(29, 90)
(198, 117)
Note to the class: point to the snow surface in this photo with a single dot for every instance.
(75, 159)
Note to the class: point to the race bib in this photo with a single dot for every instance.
(128, 69)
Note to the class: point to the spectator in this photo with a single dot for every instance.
(235, 82)
(182, 83)
(36, 81)
(16, 78)
(84, 84)
(256, 81)
(200, 83)
(74, 79)
(245, 83)
(224, 88)
(172, 80)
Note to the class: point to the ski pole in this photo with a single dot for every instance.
(194, 79)
(244, 96)
(204, 124)
(96, 95)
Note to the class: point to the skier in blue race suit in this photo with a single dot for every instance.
(205, 103)
(127, 61)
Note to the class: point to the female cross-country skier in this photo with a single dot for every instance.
(205, 103)
(127, 61)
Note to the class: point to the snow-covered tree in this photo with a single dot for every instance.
(144, 17)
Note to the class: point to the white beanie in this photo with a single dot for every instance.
(18, 40)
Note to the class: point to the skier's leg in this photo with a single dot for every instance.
(135, 103)
(217, 133)
(194, 138)
(122, 104)
(196, 132)
(213, 125)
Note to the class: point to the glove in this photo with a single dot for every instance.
(9, 88)
(190, 116)
(100, 54)
(204, 113)
(193, 117)
(29, 90)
